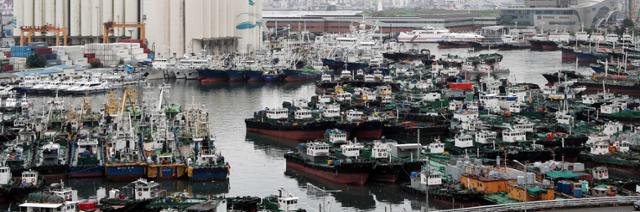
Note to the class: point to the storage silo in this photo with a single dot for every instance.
(95, 17)
(107, 13)
(194, 17)
(74, 17)
(38, 13)
(118, 15)
(59, 16)
(85, 14)
(214, 25)
(176, 26)
(50, 12)
(18, 14)
(208, 17)
(28, 12)
(131, 16)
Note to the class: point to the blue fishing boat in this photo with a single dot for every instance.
(87, 159)
(237, 75)
(254, 75)
(213, 75)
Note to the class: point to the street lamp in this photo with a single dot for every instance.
(524, 168)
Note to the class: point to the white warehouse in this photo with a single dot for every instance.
(173, 27)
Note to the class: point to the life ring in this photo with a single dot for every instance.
(33, 180)
(139, 193)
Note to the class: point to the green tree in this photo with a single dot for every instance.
(35, 61)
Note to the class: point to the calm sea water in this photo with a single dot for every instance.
(258, 165)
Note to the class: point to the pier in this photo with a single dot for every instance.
(554, 204)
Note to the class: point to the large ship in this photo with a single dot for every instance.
(124, 153)
(208, 165)
(87, 158)
(51, 158)
(276, 122)
(313, 159)
(298, 75)
(432, 35)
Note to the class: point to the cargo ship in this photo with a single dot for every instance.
(254, 75)
(313, 159)
(300, 75)
(211, 75)
(298, 125)
(237, 75)
(87, 158)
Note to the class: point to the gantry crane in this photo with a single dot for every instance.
(109, 26)
(30, 30)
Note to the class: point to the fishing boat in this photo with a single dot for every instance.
(135, 196)
(124, 154)
(56, 198)
(314, 159)
(87, 158)
(276, 122)
(305, 74)
(51, 159)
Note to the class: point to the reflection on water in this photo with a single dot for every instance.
(258, 165)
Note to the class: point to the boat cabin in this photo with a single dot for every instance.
(622, 146)
(303, 114)
(486, 137)
(29, 178)
(513, 136)
(600, 173)
(5, 175)
(432, 96)
(611, 128)
(599, 148)
(331, 111)
(380, 150)
(288, 202)
(344, 97)
(278, 113)
(354, 115)
(336, 136)
(387, 79)
(345, 75)
(318, 149)
(563, 118)
(463, 140)
(326, 78)
(431, 178)
(436, 147)
(369, 78)
(351, 149)
(324, 98)
(146, 189)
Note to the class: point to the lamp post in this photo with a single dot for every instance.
(524, 168)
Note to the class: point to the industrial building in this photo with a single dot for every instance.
(173, 27)
(342, 21)
(570, 16)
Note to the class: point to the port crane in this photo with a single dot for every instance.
(108, 27)
(31, 30)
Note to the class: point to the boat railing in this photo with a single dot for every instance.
(553, 204)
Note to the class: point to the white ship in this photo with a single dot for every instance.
(433, 35)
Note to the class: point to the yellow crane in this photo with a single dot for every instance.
(108, 27)
(30, 30)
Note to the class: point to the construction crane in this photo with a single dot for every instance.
(109, 26)
(30, 30)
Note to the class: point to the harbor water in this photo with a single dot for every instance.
(258, 165)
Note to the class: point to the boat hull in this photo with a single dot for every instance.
(302, 132)
(212, 75)
(125, 172)
(86, 171)
(357, 176)
(254, 76)
(208, 173)
(236, 76)
(166, 171)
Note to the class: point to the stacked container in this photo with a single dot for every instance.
(21, 51)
